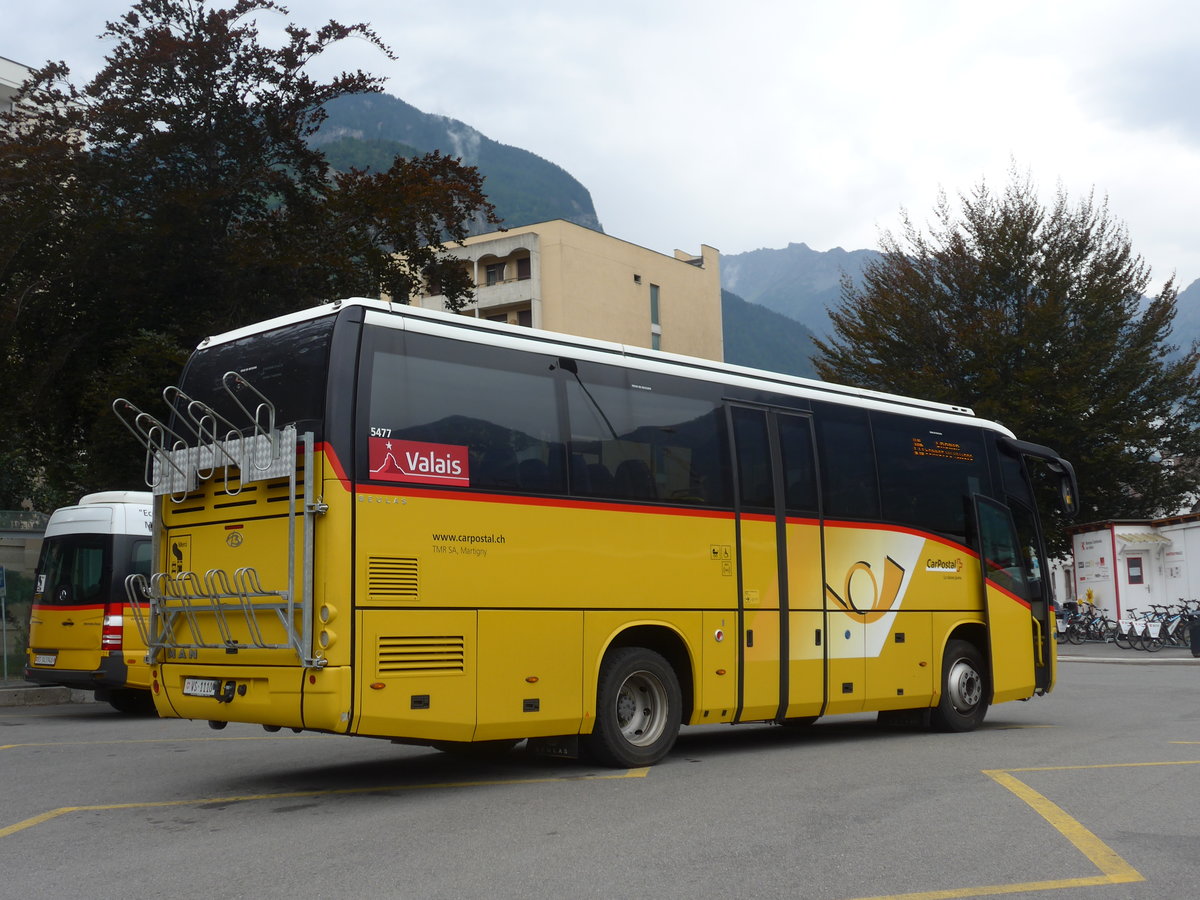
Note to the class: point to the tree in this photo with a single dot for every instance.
(1036, 316)
(176, 196)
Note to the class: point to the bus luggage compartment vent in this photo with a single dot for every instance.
(421, 654)
(392, 578)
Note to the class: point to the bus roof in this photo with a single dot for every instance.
(502, 334)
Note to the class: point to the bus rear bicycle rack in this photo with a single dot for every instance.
(211, 449)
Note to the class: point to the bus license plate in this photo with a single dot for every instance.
(45, 659)
(200, 687)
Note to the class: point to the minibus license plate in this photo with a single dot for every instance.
(200, 687)
(45, 659)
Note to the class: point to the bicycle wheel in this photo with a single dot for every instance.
(1152, 642)
(1075, 631)
(1123, 639)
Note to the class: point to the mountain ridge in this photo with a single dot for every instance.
(525, 188)
(774, 300)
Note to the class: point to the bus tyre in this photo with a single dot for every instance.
(131, 702)
(964, 689)
(638, 708)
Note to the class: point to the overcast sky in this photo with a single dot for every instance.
(757, 124)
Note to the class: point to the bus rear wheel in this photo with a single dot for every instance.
(964, 689)
(638, 708)
(131, 702)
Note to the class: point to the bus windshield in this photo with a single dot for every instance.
(75, 569)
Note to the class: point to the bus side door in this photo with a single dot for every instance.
(780, 577)
(1012, 629)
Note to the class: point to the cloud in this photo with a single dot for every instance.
(755, 125)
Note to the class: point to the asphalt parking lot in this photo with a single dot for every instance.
(1089, 792)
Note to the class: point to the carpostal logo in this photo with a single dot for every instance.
(933, 564)
(396, 460)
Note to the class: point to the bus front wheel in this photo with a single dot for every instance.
(964, 689)
(638, 708)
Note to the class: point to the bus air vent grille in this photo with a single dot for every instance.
(421, 654)
(392, 578)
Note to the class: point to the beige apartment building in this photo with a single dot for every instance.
(12, 76)
(563, 277)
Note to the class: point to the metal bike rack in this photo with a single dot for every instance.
(202, 446)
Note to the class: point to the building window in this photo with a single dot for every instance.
(1134, 567)
(654, 305)
(495, 273)
(524, 269)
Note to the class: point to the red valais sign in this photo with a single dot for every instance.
(395, 460)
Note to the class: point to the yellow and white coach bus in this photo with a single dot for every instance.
(378, 520)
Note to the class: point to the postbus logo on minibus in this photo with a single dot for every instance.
(419, 461)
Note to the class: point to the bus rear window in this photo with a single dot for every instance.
(286, 365)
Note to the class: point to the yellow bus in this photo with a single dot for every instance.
(377, 520)
(79, 634)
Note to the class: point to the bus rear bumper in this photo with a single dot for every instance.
(113, 673)
(267, 695)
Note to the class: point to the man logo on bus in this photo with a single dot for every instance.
(396, 460)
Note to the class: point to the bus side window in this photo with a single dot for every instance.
(848, 482)
(639, 436)
(755, 487)
(497, 405)
(799, 465)
(139, 558)
(928, 471)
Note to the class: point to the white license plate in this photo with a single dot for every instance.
(200, 687)
(45, 659)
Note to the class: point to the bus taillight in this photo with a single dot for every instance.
(110, 633)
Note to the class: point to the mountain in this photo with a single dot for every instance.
(797, 281)
(773, 300)
(369, 130)
(763, 339)
(1186, 328)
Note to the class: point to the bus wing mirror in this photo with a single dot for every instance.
(1068, 488)
(1066, 494)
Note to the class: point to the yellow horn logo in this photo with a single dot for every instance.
(881, 602)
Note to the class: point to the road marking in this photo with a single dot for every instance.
(1113, 869)
(292, 795)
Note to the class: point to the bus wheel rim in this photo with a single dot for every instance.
(965, 686)
(641, 708)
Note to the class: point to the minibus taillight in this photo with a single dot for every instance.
(110, 634)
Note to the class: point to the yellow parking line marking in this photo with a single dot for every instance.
(1113, 868)
(292, 795)
(1182, 762)
(1103, 857)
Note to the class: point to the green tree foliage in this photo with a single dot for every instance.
(177, 195)
(1036, 316)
